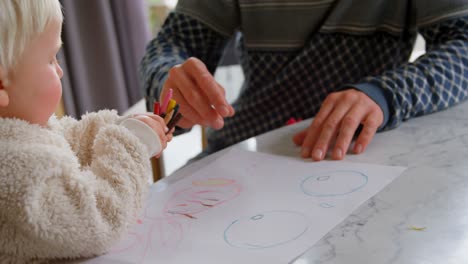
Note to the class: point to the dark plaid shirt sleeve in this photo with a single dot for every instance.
(435, 81)
(180, 38)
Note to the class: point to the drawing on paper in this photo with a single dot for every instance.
(202, 195)
(326, 205)
(163, 229)
(266, 229)
(207, 218)
(334, 183)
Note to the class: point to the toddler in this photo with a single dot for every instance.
(68, 188)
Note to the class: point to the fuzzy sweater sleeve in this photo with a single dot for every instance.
(51, 206)
(81, 134)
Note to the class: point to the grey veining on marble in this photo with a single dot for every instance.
(431, 194)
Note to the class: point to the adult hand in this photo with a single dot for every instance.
(338, 119)
(201, 99)
(158, 126)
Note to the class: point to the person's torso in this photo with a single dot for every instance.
(294, 53)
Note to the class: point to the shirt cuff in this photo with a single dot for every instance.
(145, 133)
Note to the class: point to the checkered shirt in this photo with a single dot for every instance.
(283, 84)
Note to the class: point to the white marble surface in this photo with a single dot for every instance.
(432, 193)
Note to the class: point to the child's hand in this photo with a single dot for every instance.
(159, 127)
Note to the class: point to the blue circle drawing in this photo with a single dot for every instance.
(326, 205)
(266, 230)
(257, 217)
(334, 183)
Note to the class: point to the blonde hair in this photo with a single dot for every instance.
(20, 22)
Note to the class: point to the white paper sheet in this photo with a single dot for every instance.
(248, 207)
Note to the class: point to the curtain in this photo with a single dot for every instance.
(103, 42)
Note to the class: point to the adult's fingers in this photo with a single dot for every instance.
(214, 92)
(370, 126)
(194, 103)
(185, 123)
(329, 130)
(194, 97)
(315, 128)
(229, 106)
(298, 138)
(349, 125)
(190, 115)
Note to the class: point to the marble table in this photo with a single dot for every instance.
(421, 217)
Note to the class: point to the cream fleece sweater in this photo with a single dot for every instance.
(69, 190)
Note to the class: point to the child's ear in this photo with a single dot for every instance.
(4, 99)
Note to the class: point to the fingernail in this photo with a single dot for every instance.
(338, 153)
(166, 129)
(305, 152)
(317, 154)
(223, 110)
(219, 123)
(358, 148)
